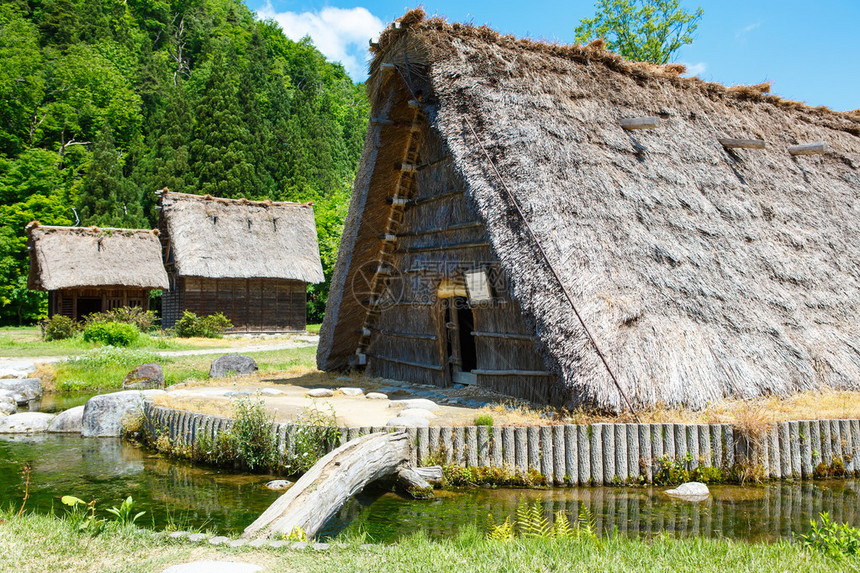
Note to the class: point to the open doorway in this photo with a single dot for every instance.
(465, 327)
(88, 305)
(463, 356)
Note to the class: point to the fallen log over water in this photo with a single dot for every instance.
(335, 478)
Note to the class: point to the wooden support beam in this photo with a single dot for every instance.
(413, 335)
(363, 331)
(407, 167)
(381, 121)
(730, 143)
(809, 149)
(649, 122)
(388, 237)
(386, 68)
(399, 201)
(451, 247)
(506, 335)
(432, 198)
(510, 373)
(436, 230)
(414, 104)
(358, 359)
(407, 362)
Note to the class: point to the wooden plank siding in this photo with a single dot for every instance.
(252, 305)
(439, 238)
(98, 299)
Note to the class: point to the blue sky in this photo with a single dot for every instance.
(809, 50)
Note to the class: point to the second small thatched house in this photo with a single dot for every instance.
(88, 270)
(251, 260)
(561, 225)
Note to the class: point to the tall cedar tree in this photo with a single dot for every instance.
(220, 150)
(107, 198)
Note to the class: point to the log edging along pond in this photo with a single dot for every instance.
(592, 454)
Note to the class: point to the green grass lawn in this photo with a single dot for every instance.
(43, 543)
(104, 368)
(26, 341)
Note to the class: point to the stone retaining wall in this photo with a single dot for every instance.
(592, 454)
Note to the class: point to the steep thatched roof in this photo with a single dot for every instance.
(70, 257)
(227, 238)
(701, 272)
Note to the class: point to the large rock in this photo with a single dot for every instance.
(28, 388)
(144, 377)
(232, 365)
(319, 393)
(9, 397)
(690, 491)
(68, 422)
(416, 413)
(25, 423)
(103, 414)
(422, 403)
(408, 421)
(8, 408)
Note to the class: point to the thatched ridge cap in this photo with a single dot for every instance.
(166, 193)
(56, 229)
(416, 20)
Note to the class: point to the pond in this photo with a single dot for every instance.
(189, 496)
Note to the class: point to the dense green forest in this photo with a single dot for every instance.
(102, 102)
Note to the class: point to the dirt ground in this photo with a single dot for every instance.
(291, 401)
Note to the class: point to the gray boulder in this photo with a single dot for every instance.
(347, 391)
(232, 365)
(690, 491)
(25, 423)
(422, 403)
(376, 396)
(408, 421)
(319, 393)
(103, 414)
(8, 408)
(68, 422)
(144, 377)
(279, 484)
(27, 388)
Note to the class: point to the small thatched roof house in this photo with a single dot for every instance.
(511, 227)
(251, 260)
(88, 270)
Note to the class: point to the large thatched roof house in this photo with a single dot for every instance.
(87, 270)
(511, 226)
(251, 260)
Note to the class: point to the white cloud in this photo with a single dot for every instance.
(695, 69)
(341, 34)
(746, 30)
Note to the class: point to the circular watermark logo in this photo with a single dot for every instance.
(377, 286)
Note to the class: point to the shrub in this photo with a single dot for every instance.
(248, 444)
(211, 326)
(59, 327)
(135, 315)
(112, 333)
(832, 538)
(316, 432)
(484, 420)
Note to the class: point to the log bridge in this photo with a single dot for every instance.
(339, 475)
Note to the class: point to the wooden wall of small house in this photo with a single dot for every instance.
(252, 305)
(172, 301)
(439, 237)
(65, 301)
